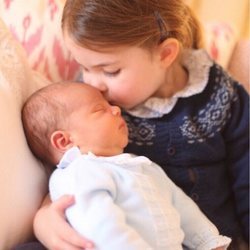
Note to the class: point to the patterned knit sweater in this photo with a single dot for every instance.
(200, 138)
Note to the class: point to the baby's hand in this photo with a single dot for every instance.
(52, 229)
(218, 248)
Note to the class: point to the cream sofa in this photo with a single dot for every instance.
(32, 55)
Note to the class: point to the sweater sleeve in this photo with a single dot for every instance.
(236, 135)
(200, 232)
(96, 214)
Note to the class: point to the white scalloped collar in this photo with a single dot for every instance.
(198, 64)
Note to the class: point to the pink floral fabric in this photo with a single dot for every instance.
(36, 25)
(220, 41)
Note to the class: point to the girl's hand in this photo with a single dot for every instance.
(53, 231)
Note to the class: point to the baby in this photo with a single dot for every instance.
(123, 201)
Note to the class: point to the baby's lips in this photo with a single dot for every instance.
(122, 124)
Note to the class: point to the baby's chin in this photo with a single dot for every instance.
(125, 142)
(110, 152)
(120, 150)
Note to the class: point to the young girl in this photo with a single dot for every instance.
(183, 110)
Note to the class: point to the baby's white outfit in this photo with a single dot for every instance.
(127, 202)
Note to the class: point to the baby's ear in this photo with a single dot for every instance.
(169, 51)
(61, 140)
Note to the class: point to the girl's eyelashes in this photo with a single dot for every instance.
(113, 73)
(84, 69)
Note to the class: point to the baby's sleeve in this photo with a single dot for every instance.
(200, 232)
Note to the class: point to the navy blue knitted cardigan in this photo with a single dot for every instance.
(203, 146)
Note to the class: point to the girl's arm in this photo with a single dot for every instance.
(52, 229)
(236, 136)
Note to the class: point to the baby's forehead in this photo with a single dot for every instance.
(90, 92)
(84, 87)
(83, 94)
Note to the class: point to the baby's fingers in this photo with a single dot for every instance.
(63, 203)
(73, 240)
(60, 244)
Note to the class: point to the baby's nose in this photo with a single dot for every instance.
(115, 110)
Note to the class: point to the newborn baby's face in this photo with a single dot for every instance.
(94, 124)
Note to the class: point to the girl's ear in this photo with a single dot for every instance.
(61, 140)
(168, 51)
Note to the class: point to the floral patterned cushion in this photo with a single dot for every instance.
(36, 25)
(220, 40)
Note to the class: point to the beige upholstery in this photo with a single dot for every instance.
(22, 178)
(235, 13)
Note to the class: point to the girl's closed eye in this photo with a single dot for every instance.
(112, 73)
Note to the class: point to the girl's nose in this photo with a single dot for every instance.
(100, 86)
(115, 110)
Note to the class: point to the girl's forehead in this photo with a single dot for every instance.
(103, 56)
(118, 56)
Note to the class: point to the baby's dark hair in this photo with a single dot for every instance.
(42, 114)
(145, 23)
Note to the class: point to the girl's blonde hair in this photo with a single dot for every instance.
(144, 23)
